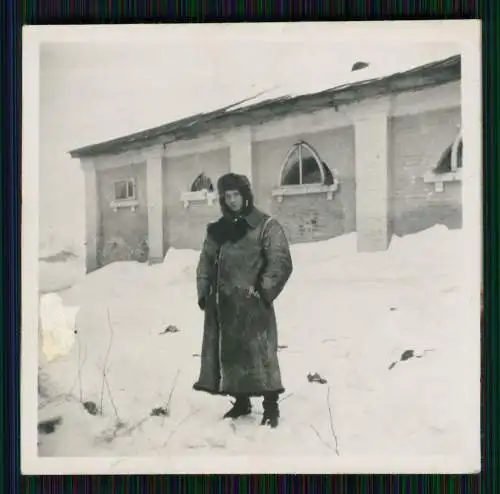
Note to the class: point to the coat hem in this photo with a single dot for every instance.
(198, 387)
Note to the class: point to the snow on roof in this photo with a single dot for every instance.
(307, 94)
(374, 72)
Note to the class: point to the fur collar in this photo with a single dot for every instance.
(224, 230)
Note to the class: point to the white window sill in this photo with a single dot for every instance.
(126, 203)
(198, 196)
(440, 179)
(306, 189)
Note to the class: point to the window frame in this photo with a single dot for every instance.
(204, 175)
(199, 196)
(455, 173)
(130, 201)
(305, 189)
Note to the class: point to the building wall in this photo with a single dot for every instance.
(185, 227)
(416, 144)
(122, 232)
(310, 217)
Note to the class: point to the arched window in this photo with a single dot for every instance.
(201, 191)
(451, 159)
(303, 165)
(202, 182)
(449, 165)
(304, 172)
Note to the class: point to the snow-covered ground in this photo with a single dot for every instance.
(345, 315)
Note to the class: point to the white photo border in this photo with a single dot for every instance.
(466, 34)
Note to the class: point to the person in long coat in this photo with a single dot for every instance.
(244, 266)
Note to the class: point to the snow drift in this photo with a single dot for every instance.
(344, 315)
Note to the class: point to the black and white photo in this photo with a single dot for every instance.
(252, 248)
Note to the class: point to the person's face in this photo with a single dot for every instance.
(234, 200)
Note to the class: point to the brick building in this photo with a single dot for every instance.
(381, 157)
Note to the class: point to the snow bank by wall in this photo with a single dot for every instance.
(422, 255)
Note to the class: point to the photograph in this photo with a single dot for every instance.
(251, 248)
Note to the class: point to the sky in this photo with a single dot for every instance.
(95, 91)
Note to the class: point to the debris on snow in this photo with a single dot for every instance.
(408, 354)
(159, 412)
(170, 329)
(316, 378)
(49, 426)
(91, 407)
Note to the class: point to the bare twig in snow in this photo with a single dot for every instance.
(285, 397)
(111, 397)
(135, 426)
(102, 393)
(321, 439)
(81, 363)
(120, 430)
(172, 389)
(167, 407)
(331, 422)
(164, 411)
(124, 431)
(106, 357)
(61, 397)
(177, 427)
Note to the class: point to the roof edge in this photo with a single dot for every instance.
(204, 119)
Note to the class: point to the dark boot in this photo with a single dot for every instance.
(242, 406)
(271, 410)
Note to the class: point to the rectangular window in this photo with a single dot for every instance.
(125, 190)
